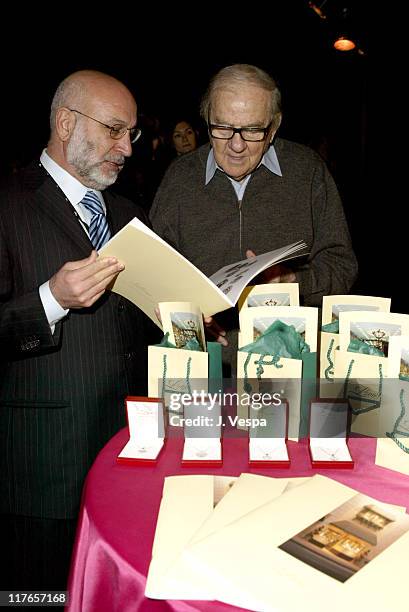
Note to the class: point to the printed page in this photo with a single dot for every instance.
(233, 278)
(320, 542)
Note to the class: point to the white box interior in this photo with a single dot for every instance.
(202, 449)
(328, 430)
(268, 449)
(146, 430)
(329, 449)
(275, 417)
(142, 449)
(328, 419)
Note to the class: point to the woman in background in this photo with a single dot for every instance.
(184, 137)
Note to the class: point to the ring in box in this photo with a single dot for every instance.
(202, 427)
(268, 433)
(147, 432)
(329, 426)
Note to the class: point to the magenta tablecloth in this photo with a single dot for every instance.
(120, 507)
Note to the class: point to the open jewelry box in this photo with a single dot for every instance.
(202, 428)
(328, 435)
(268, 433)
(147, 430)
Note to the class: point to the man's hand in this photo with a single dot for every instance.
(275, 274)
(78, 284)
(215, 331)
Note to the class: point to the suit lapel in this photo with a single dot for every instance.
(112, 213)
(48, 198)
(51, 201)
(117, 215)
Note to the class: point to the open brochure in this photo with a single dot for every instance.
(155, 272)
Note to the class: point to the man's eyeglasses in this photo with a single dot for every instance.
(250, 134)
(115, 131)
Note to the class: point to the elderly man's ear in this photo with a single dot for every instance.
(277, 123)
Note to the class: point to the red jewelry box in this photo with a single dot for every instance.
(146, 417)
(270, 451)
(329, 424)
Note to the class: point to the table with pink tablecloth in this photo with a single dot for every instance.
(120, 506)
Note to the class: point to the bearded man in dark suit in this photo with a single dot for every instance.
(70, 350)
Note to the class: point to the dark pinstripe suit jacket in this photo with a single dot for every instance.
(61, 395)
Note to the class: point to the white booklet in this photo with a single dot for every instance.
(155, 272)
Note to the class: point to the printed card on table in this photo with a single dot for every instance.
(255, 321)
(332, 305)
(399, 357)
(371, 328)
(348, 538)
(184, 323)
(270, 294)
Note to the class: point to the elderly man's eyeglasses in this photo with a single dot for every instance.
(115, 131)
(250, 134)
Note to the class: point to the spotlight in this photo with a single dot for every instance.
(344, 43)
(344, 40)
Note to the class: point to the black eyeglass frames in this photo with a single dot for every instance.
(250, 134)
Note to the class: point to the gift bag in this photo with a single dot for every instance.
(173, 371)
(333, 309)
(329, 342)
(276, 363)
(359, 378)
(392, 446)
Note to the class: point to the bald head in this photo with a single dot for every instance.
(83, 86)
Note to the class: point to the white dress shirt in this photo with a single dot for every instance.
(74, 192)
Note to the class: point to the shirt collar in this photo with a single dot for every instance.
(69, 185)
(269, 160)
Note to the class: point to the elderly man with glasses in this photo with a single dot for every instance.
(250, 192)
(71, 351)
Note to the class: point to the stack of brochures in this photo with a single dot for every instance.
(262, 543)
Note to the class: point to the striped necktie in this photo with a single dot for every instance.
(98, 228)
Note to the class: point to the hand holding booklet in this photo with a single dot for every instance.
(155, 272)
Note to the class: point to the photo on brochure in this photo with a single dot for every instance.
(375, 334)
(261, 324)
(404, 363)
(269, 299)
(337, 308)
(398, 357)
(333, 305)
(183, 322)
(348, 538)
(374, 329)
(303, 319)
(282, 294)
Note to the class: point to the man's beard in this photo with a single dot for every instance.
(81, 156)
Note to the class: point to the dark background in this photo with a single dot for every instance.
(167, 56)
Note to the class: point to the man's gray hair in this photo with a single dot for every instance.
(243, 74)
